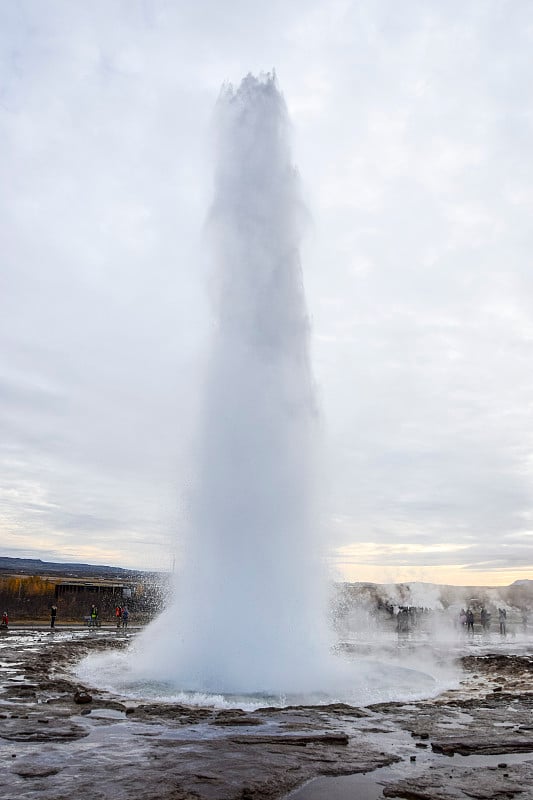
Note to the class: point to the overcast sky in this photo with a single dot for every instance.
(412, 131)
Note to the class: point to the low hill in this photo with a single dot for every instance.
(34, 566)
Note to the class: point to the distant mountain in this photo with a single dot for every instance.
(34, 566)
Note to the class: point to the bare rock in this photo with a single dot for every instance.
(293, 741)
(180, 714)
(81, 697)
(28, 730)
(452, 783)
(36, 771)
(482, 746)
(236, 717)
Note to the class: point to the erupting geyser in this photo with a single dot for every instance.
(249, 613)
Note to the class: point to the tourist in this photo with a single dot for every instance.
(502, 617)
(118, 615)
(5, 620)
(125, 617)
(470, 621)
(402, 620)
(485, 618)
(53, 614)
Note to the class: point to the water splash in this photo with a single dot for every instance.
(249, 611)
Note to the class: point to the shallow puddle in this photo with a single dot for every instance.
(369, 785)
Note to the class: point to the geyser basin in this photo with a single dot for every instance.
(360, 682)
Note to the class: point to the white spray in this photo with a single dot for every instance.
(249, 611)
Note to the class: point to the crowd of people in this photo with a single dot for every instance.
(467, 619)
(122, 616)
(409, 617)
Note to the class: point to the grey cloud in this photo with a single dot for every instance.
(412, 134)
(474, 558)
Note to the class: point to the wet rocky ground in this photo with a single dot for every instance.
(60, 739)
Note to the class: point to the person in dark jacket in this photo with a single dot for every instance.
(470, 621)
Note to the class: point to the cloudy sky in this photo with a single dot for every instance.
(412, 131)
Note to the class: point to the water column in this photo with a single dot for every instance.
(249, 609)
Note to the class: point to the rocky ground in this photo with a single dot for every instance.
(59, 739)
